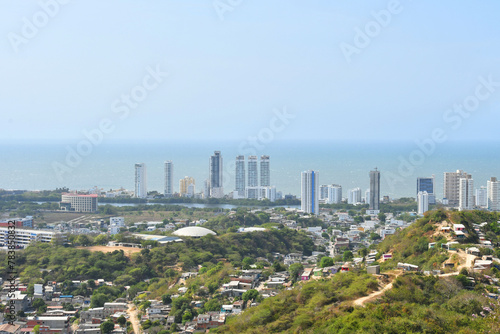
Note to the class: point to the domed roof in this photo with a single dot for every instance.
(193, 231)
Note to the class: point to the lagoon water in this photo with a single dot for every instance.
(111, 165)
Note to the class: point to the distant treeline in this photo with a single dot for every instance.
(178, 200)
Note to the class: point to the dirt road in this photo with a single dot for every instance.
(132, 317)
(375, 294)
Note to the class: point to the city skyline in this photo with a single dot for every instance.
(459, 186)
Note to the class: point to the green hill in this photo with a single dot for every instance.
(415, 304)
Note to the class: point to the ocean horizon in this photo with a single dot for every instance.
(110, 165)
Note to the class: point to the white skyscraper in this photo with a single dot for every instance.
(482, 197)
(466, 194)
(354, 196)
(265, 174)
(253, 176)
(240, 175)
(268, 192)
(169, 179)
(206, 189)
(423, 202)
(367, 196)
(309, 194)
(493, 189)
(141, 189)
(334, 194)
(323, 192)
(451, 186)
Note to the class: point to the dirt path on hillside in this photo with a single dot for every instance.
(466, 260)
(361, 301)
(132, 316)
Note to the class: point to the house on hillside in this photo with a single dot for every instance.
(473, 251)
(306, 275)
(407, 266)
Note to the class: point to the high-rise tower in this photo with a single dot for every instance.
(427, 184)
(240, 175)
(451, 186)
(309, 194)
(215, 172)
(466, 194)
(374, 190)
(253, 177)
(169, 179)
(141, 189)
(265, 176)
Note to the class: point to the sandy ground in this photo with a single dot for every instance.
(132, 314)
(105, 249)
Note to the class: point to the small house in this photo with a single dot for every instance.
(306, 275)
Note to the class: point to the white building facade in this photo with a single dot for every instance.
(309, 199)
(423, 202)
(141, 189)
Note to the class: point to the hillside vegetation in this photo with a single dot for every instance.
(415, 304)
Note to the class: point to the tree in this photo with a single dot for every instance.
(325, 235)
(347, 256)
(91, 283)
(251, 294)
(166, 299)
(83, 240)
(382, 217)
(278, 266)
(39, 305)
(121, 320)
(187, 316)
(363, 252)
(212, 305)
(295, 269)
(101, 239)
(98, 300)
(326, 262)
(107, 327)
(36, 329)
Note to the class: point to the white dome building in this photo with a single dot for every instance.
(193, 231)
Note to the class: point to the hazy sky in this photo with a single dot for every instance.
(69, 67)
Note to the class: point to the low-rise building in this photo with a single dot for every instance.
(78, 202)
(23, 237)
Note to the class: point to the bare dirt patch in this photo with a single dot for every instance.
(105, 249)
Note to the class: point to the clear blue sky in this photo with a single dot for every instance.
(226, 76)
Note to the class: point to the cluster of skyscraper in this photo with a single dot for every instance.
(253, 187)
(253, 181)
(459, 192)
(310, 196)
